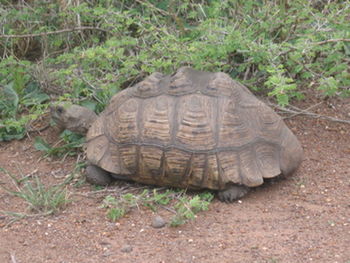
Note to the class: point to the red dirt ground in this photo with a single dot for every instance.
(304, 218)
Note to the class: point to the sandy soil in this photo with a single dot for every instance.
(304, 218)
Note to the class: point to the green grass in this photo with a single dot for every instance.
(42, 199)
(39, 198)
(184, 207)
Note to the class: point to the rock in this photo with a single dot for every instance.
(126, 249)
(158, 222)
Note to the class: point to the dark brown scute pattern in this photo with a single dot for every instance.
(192, 129)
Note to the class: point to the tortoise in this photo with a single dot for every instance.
(192, 129)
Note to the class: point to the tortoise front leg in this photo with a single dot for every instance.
(98, 176)
(232, 193)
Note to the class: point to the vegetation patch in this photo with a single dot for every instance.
(68, 144)
(183, 206)
(41, 199)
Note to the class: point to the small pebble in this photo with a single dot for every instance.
(126, 249)
(158, 222)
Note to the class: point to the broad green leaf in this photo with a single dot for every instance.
(41, 145)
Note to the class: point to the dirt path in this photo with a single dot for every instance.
(304, 218)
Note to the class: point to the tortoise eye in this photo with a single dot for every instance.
(60, 109)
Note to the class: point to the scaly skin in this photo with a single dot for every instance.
(233, 193)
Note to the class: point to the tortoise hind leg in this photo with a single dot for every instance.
(98, 176)
(232, 193)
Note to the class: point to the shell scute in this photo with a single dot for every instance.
(150, 86)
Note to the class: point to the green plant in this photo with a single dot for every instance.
(20, 101)
(157, 198)
(16, 180)
(184, 207)
(12, 129)
(329, 86)
(118, 207)
(43, 199)
(114, 214)
(115, 210)
(282, 87)
(69, 144)
(40, 198)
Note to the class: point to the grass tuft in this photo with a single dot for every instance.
(41, 199)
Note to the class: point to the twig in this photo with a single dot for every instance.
(28, 175)
(18, 216)
(201, 8)
(168, 208)
(14, 180)
(55, 32)
(115, 190)
(65, 156)
(148, 4)
(30, 127)
(332, 40)
(118, 190)
(296, 111)
(306, 110)
(92, 86)
(246, 73)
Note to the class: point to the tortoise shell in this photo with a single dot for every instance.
(192, 130)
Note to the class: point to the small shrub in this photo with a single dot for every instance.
(283, 88)
(21, 101)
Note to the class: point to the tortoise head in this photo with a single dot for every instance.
(72, 117)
